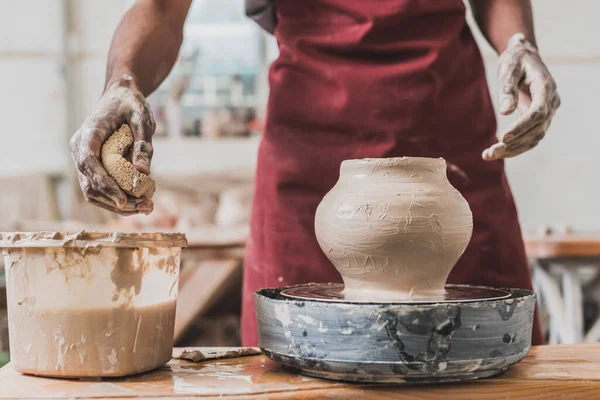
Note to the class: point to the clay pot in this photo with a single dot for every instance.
(393, 227)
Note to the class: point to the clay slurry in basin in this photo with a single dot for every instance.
(394, 228)
(91, 304)
(94, 342)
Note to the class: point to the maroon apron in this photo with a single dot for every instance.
(373, 78)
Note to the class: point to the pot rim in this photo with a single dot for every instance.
(84, 239)
(392, 161)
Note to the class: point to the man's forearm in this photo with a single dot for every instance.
(499, 20)
(146, 44)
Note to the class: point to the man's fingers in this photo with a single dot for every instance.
(112, 208)
(493, 152)
(143, 126)
(132, 206)
(510, 73)
(141, 156)
(526, 142)
(503, 150)
(99, 181)
(536, 115)
(515, 151)
(545, 101)
(98, 127)
(555, 102)
(524, 101)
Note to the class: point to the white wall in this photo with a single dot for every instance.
(93, 24)
(33, 70)
(554, 184)
(32, 93)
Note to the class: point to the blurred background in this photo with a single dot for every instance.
(209, 116)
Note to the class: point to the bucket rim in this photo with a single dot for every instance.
(85, 239)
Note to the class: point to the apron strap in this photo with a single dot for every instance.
(263, 13)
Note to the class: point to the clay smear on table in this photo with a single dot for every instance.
(394, 228)
(83, 306)
(216, 353)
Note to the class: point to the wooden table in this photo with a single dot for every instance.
(563, 246)
(565, 254)
(571, 371)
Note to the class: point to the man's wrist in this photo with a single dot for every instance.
(122, 80)
(520, 38)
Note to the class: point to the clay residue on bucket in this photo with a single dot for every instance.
(129, 266)
(72, 263)
(91, 304)
(127, 274)
(162, 263)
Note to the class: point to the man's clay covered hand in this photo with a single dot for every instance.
(120, 104)
(526, 84)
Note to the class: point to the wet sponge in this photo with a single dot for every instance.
(120, 169)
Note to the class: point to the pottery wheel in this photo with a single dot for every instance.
(394, 342)
(454, 294)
